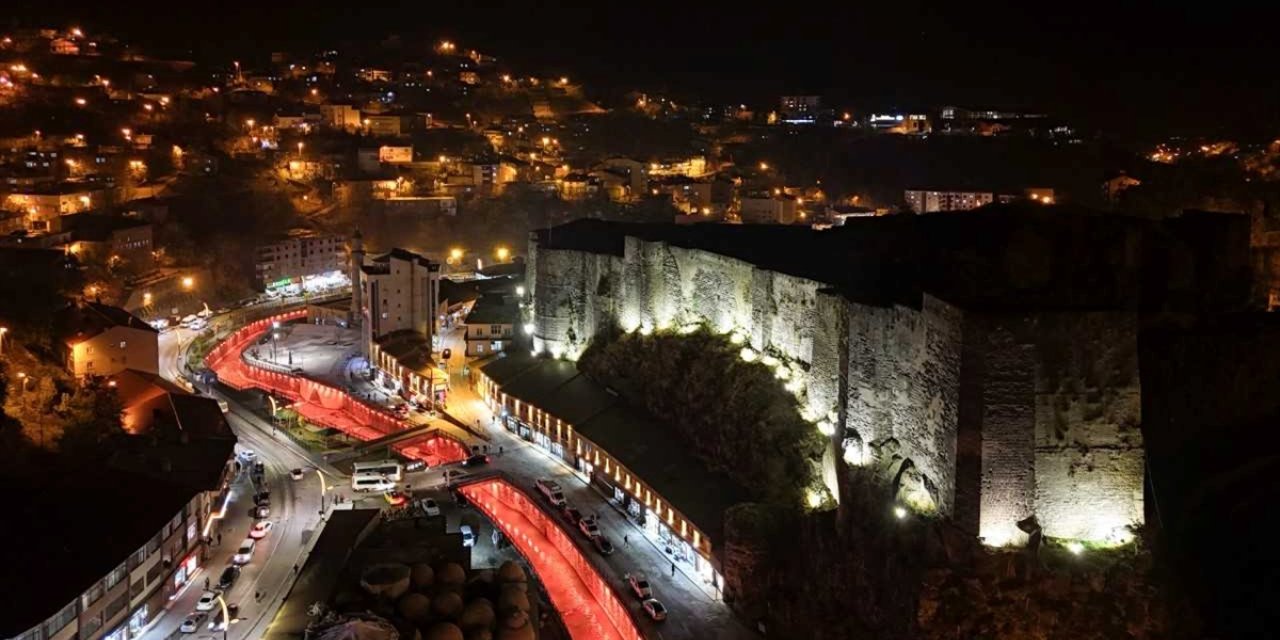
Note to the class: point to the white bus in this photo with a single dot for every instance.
(393, 470)
(382, 475)
(362, 482)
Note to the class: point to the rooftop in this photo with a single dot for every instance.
(1005, 256)
(67, 504)
(493, 309)
(83, 321)
(382, 263)
(409, 348)
(648, 447)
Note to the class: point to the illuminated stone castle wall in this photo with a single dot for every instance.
(987, 418)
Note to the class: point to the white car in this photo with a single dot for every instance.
(192, 623)
(468, 536)
(261, 529)
(655, 609)
(640, 585)
(248, 455)
(296, 474)
(588, 527)
(245, 553)
(206, 601)
(430, 507)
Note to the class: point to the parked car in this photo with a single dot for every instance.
(588, 527)
(296, 474)
(639, 585)
(192, 623)
(572, 515)
(459, 499)
(261, 511)
(551, 491)
(475, 461)
(229, 576)
(395, 498)
(262, 498)
(468, 536)
(248, 455)
(430, 507)
(245, 553)
(655, 609)
(206, 601)
(261, 529)
(602, 545)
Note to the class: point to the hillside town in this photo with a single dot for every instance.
(400, 337)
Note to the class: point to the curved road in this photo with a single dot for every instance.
(295, 512)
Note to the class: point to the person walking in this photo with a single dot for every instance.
(626, 541)
(206, 583)
(673, 569)
(219, 538)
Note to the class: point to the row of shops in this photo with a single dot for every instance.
(509, 386)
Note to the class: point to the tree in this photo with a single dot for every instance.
(92, 419)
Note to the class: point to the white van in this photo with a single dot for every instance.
(552, 491)
(245, 553)
(363, 482)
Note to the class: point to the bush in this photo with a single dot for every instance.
(736, 415)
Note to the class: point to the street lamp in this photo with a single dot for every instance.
(226, 617)
(503, 254)
(324, 488)
(3, 331)
(188, 282)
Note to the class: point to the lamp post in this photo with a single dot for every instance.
(3, 331)
(324, 488)
(226, 617)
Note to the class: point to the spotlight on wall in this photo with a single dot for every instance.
(899, 512)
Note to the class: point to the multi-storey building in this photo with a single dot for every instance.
(490, 325)
(102, 340)
(933, 200)
(767, 209)
(399, 291)
(175, 483)
(799, 109)
(301, 256)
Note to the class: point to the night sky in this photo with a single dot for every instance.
(1134, 69)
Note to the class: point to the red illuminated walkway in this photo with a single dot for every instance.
(320, 403)
(589, 608)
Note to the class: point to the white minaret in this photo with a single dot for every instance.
(357, 288)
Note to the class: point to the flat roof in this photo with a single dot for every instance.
(648, 447)
(493, 309)
(1015, 256)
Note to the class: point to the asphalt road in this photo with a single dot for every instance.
(295, 512)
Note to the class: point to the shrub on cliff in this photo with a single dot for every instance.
(735, 415)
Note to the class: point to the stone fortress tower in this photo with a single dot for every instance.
(985, 363)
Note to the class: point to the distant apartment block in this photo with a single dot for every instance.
(382, 125)
(768, 209)
(301, 256)
(799, 109)
(341, 116)
(930, 200)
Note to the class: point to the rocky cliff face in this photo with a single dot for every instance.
(861, 572)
